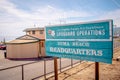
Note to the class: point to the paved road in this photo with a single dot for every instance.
(2, 54)
(32, 70)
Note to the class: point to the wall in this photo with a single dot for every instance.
(30, 50)
(37, 34)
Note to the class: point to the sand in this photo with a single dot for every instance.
(86, 70)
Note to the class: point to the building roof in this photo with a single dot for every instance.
(17, 41)
(27, 37)
(31, 29)
(24, 40)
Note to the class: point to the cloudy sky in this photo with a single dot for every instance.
(17, 15)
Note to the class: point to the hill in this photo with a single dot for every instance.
(116, 31)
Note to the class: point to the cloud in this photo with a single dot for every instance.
(51, 13)
(115, 15)
(11, 8)
(13, 20)
(46, 13)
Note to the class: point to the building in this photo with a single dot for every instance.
(38, 33)
(23, 47)
(30, 45)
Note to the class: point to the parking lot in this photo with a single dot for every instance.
(31, 68)
(34, 70)
(2, 54)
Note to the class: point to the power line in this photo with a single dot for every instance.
(117, 3)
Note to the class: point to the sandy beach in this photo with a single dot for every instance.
(86, 70)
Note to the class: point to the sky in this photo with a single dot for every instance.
(17, 15)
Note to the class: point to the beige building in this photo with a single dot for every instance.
(30, 45)
(23, 47)
(38, 33)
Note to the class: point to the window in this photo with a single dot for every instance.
(28, 33)
(41, 32)
(33, 32)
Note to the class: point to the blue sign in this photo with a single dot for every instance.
(91, 41)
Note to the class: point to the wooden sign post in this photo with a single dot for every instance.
(96, 70)
(55, 68)
(91, 41)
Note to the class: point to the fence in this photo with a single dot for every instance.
(38, 69)
(34, 70)
(116, 43)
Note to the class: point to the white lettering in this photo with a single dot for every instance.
(70, 33)
(89, 52)
(80, 44)
(90, 32)
(63, 43)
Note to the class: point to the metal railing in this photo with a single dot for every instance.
(44, 63)
(70, 63)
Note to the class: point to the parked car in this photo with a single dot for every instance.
(2, 47)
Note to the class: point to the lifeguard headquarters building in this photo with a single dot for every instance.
(30, 45)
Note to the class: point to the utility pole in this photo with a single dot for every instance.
(4, 41)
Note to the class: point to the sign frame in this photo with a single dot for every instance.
(87, 40)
